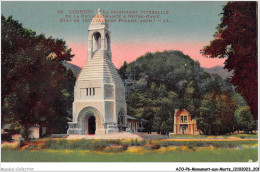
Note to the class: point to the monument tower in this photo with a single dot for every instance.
(99, 105)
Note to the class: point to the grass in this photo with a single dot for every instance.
(84, 144)
(82, 150)
(219, 144)
(215, 137)
(216, 155)
(121, 145)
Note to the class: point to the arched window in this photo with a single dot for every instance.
(96, 41)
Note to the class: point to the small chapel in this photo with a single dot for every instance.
(99, 105)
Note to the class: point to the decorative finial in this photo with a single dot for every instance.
(99, 10)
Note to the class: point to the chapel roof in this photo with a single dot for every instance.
(179, 112)
(131, 117)
(98, 22)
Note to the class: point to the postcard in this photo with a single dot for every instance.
(135, 84)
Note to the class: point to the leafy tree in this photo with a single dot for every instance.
(216, 113)
(165, 112)
(191, 98)
(157, 122)
(148, 115)
(36, 87)
(122, 71)
(244, 120)
(236, 40)
(208, 114)
(170, 80)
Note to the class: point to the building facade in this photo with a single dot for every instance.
(183, 124)
(132, 124)
(99, 105)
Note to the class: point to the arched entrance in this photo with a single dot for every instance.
(89, 121)
(91, 125)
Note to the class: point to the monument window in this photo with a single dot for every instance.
(185, 118)
(90, 91)
(109, 92)
(181, 118)
(96, 41)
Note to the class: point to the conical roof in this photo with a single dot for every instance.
(99, 68)
(98, 22)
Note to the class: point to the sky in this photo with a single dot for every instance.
(191, 26)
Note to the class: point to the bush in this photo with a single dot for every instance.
(51, 144)
(133, 142)
(155, 145)
(10, 146)
(115, 148)
(82, 144)
(32, 147)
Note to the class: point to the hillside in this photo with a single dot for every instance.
(219, 70)
(170, 68)
(157, 83)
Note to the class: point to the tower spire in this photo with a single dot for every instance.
(99, 37)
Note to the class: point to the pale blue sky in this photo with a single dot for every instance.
(189, 21)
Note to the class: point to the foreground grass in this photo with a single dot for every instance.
(255, 136)
(216, 155)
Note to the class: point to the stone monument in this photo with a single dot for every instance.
(99, 105)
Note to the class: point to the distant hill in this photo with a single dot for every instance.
(173, 69)
(219, 70)
(75, 69)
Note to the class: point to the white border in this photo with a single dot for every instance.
(120, 166)
(126, 166)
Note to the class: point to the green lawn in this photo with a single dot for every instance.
(216, 155)
(255, 136)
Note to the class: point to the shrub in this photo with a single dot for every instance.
(155, 145)
(81, 144)
(133, 142)
(115, 148)
(32, 147)
(136, 149)
(10, 146)
(51, 144)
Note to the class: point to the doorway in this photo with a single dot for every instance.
(91, 125)
(184, 129)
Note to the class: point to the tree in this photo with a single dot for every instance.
(122, 71)
(36, 87)
(216, 113)
(170, 80)
(244, 120)
(191, 98)
(236, 40)
(148, 115)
